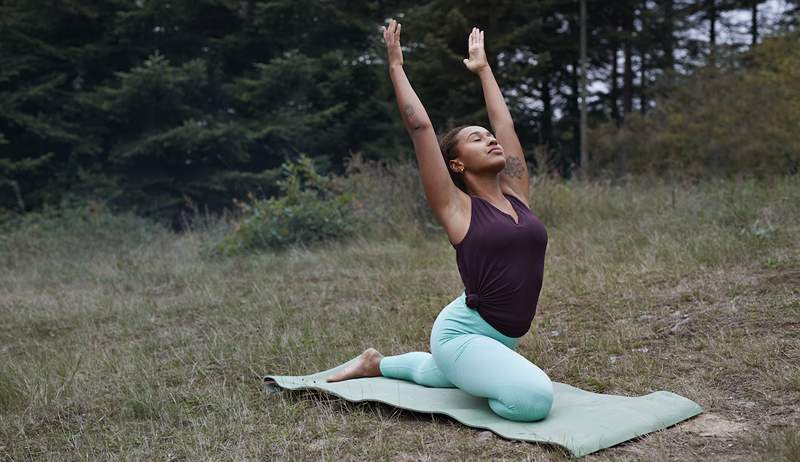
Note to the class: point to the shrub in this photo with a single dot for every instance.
(80, 228)
(310, 209)
(390, 201)
(736, 119)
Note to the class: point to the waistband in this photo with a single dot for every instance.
(457, 318)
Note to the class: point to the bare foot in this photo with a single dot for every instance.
(368, 365)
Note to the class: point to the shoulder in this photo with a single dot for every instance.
(515, 195)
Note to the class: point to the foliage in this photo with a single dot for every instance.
(155, 107)
(739, 122)
(161, 107)
(81, 226)
(309, 210)
(389, 199)
(172, 144)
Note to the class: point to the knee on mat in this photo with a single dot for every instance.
(529, 403)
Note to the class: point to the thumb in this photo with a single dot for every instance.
(466, 61)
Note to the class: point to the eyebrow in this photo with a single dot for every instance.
(478, 133)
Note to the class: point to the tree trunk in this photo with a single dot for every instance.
(614, 96)
(575, 110)
(643, 37)
(711, 12)
(627, 90)
(643, 84)
(546, 132)
(754, 23)
(583, 122)
(668, 37)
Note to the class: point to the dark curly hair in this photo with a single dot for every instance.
(447, 144)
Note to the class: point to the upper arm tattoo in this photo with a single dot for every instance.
(410, 113)
(515, 167)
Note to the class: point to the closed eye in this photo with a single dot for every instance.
(478, 138)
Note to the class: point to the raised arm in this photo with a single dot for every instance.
(439, 188)
(515, 175)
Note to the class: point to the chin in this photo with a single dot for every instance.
(500, 166)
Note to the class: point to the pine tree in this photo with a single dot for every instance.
(41, 57)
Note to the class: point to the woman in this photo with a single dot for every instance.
(479, 195)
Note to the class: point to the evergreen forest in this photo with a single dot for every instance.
(158, 107)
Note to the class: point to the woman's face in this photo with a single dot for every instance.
(478, 150)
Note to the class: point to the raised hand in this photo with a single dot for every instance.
(477, 56)
(391, 35)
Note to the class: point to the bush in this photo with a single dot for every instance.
(390, 201)
(79, 228)
(732, 119)
(311, 209)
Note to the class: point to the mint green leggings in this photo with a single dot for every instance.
(468, 353)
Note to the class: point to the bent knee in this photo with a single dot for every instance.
(538, 405)
(529, 403)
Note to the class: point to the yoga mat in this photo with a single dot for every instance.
(580, 421)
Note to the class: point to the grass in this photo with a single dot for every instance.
(121, 339)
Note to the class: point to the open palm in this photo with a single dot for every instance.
(391, 36)
(477, 55)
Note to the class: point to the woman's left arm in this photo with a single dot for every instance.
(516, 172)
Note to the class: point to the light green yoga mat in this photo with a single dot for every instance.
(581, 421)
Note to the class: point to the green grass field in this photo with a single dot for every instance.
(122, 340)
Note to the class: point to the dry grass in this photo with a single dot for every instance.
(122, 340)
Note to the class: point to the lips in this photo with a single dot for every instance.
(497, 149)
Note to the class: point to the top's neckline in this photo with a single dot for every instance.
(519, 217)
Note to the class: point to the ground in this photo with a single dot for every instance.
(123, 340)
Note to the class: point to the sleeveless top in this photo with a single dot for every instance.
(502, 264)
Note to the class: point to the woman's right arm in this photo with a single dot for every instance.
(439, 188)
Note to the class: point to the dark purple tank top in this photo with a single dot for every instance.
(502, 264)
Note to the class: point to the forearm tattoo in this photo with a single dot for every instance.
(410, 113)
(515, 167)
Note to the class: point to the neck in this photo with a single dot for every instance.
(486, 187)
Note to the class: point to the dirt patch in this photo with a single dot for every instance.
(712, 425)
(784, 277)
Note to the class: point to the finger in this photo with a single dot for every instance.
(399, 26)
(481, 41)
